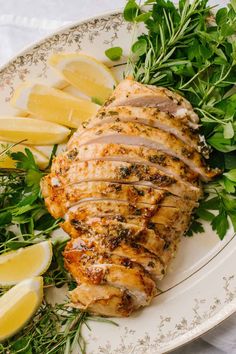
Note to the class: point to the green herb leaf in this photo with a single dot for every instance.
(228, 131)
(220, 224)
(195, 228)
(230, 161)
(231, 175)
(143, 17)
(140, 47)
(233, 219)
(131, 11)
(97, 100)
(5, 218)
(25, 161)
(114, 53)
(221, 16)
(204, 214)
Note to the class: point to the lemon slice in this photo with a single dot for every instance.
(87, 74)
(15, 129)
(53, 105)
(6, 161)
(18, 305)
(24, 263)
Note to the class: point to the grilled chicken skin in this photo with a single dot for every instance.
(126, 188)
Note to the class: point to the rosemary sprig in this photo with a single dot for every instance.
(54, 329)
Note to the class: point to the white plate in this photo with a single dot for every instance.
(200, 289)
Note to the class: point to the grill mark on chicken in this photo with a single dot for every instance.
(127, 186)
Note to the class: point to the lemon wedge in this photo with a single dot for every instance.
(24, 263)
(53, 105)
(18, 305)
(15, 129)
(87, 74)
(6, 161)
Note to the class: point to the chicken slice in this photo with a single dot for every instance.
(90, 211)
(114, 233)
(102, 299)
(174, 217)
(100, 208)
(132, 93)
(128, 153)
(91, 267)
(150, 117)
(59, 199)
(120, 239)
(129, 133)
(155, 263)
(129, 251)
(116, 171)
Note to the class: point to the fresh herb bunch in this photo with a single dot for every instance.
(54, 329)
(189, 50)
(24, 221)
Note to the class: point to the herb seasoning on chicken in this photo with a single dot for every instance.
(126, 188)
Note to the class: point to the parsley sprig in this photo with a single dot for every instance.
(193, 52)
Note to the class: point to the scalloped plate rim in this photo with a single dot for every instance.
(228, 309)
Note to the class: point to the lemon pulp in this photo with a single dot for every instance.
(85, 73)
(18, 304)
(50, 104)
(15, 317)
(15, 129)
(16, 266)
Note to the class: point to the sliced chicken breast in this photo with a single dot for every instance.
(129, 133)
(114, 233)
(150, 117)
(103, 300)
(93, 210)
(130, 251)
(126, 188)
(115, 171)
(134, 154)
(60, 198)
(95, 268)
(132, 93)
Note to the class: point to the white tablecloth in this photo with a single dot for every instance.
(25, 21)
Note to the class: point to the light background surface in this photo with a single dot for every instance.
(23, 22)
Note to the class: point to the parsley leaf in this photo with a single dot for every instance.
(195, 227)
(220, 224)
